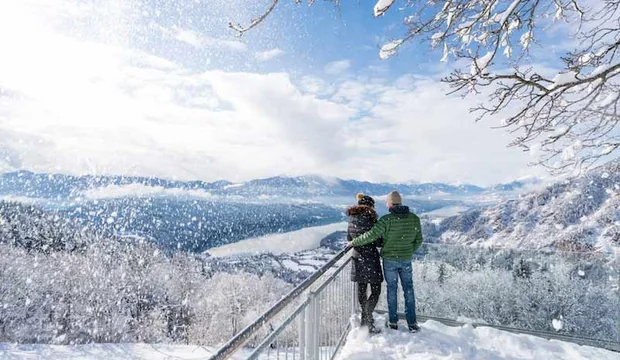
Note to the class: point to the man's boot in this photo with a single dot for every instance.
(414, 328)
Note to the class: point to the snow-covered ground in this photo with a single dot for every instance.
(103, 352)
(436, 341)
(295, 241)
(440, 342)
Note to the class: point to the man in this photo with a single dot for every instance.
(402, 236)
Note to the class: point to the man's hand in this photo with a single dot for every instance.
(349, 244)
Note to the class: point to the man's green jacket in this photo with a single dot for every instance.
(401, 232)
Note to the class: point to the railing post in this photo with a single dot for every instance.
(317, 325)
(311, 328)
(354, 302)
(301, 323)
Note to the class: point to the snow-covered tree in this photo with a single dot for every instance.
(578, 290)
(442, 274)
(569, 115)
(113, 290)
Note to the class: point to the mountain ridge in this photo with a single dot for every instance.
(26, 183)
(581, 213)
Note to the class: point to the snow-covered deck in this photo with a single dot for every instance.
(440, 342)
(436, 341)
(104, 352)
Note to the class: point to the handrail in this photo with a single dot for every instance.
(267, 341)
(242, 337)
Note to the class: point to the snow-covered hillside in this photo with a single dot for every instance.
(581, 213)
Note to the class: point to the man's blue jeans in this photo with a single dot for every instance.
(392, 270)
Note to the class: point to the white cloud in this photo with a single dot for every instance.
(316, 86)
(199, 40)
(417, 132)
(77, 106)
(189, 37)
(138, 190)
(269, 54)
(229, 44)
(337, 67)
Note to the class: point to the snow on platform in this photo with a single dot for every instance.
(104, 352)
(435, 342)
(440, 342)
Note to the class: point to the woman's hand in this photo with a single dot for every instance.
(349, 244)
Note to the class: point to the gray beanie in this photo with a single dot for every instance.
(394, 198)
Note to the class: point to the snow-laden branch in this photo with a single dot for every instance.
(243, 29)
(382, 6)
(572, 118)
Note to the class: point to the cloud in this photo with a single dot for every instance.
(81, 106)
(298, 121)
(138, 190)
(188, 36)
(412, 129)
(200, 40)
(315, 85)
(269, 54)
(337, 67)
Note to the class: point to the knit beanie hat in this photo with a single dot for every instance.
(394, 198)
(365, 200)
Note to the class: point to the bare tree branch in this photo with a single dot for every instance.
(241, 29)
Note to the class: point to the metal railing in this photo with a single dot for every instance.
(311, 322)
(314, 319)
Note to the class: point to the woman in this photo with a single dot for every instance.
(366, 268)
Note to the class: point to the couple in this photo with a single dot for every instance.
(399, 234)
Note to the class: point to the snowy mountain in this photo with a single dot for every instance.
(316, 186)
(581, 213)
(28, 184)
(195, 216)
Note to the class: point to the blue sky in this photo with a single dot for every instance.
(140, 88)
(310, 37)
